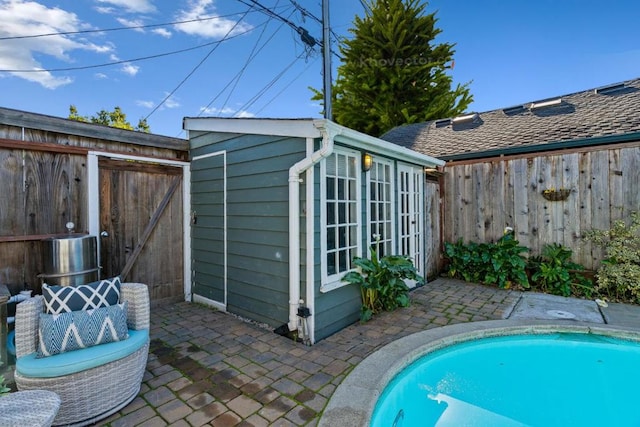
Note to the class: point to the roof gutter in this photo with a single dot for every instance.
(328, 134)
(557, 145)
(382, 147)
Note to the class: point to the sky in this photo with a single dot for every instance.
(165, 60)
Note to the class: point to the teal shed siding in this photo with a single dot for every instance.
(257, 177)
(336, 310)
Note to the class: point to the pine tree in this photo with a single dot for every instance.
(393, 73)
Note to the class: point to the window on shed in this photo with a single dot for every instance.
(381, 207)
(342, 212)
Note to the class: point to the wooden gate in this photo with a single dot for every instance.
(141, 225)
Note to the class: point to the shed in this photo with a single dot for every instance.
(130, 188)
(281, 206)
(551, 169)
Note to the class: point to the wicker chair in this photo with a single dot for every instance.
(93, 394)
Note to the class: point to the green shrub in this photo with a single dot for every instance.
(553, 272)
(619, 275)
(4, 390)
(499, 263)
(382, 282)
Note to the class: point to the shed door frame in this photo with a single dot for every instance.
(411, 207)
(93, 201)
(220, 305)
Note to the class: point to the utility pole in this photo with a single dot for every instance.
(326, 55)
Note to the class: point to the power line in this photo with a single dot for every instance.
(194, 69)
(131, 27)
(250, 58)
(306, 38)
(236, 79)
(305, 12)
(122, 61)
(267, 86)
(287, 86)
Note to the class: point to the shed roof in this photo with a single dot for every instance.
(308, 128)
(44, 122)
(606, 114)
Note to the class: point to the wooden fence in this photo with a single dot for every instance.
(551, 197)
(45, 184)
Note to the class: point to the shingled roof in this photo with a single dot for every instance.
(607, 114)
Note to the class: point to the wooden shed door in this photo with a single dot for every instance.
(141, 220)
(411, 213)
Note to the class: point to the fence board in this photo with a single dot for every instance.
(600, 201)
(454, 194)
(630, 180)
(509, 195)
(570, 177)
(535, 203)
(11, 200)
(477, 203)
(546, 180)
(582, 253)
(616, 189)
(495, 200)
(519, 175)
(557, 208)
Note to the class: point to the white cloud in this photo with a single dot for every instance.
(145, 104)
(105, 10)
(211, 28)
(171, 102)
(135, 6)
(105, 48)
(136, 23)
(226, 111)
(162, 32)
(100, 76)
(129, 69)
(244, 114)
(45, 79)
(217, 111)
(26, 18)
(131, 23)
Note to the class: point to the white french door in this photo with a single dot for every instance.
(411, 214)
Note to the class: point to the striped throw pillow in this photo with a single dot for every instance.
(63, 299)
(75, 330)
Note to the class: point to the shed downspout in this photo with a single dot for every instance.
(325, 150)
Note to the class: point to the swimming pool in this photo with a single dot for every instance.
(510, 367)
(556, 379)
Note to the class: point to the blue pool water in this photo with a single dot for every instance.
(522, 380)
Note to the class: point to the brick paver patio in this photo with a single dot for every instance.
(209, 368)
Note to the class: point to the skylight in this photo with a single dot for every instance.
(544, 104)
(605, 90)
(466, 118)
(513, 110)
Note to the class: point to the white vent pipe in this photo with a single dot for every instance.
(325, 150)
